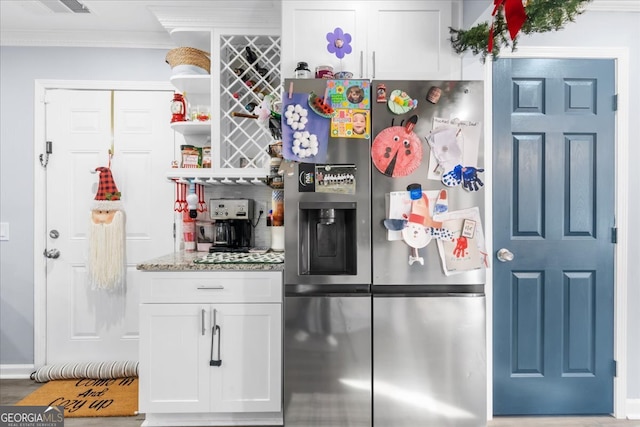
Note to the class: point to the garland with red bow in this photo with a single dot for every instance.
(511, 18)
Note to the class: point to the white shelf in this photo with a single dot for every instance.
(192, 128)
(192, 84)
(209, 177)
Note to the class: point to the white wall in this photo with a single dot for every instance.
(19, 68)
(596, 29)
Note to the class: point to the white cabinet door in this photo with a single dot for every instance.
(174, 347)
(250, 376)
(305, 26)
(176, 343)
(409, 40)
(390, 40)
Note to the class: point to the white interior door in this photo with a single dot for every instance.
(83, 324)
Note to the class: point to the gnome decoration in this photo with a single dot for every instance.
(106, 264)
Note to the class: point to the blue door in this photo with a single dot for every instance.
(553, 205)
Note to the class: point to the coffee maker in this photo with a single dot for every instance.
(232, 228)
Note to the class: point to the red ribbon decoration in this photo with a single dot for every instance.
(514, 14)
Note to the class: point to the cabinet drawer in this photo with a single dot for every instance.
(211, 287)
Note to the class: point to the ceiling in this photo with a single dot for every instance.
(124, 23)
(148, 23)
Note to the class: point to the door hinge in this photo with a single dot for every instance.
(615, 368)
(614, 235)
(174, 231)
(615, 102)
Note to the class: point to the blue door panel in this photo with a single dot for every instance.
(553, 208)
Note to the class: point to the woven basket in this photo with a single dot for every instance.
(189, 56)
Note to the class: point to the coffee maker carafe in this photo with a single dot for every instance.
(232, 225)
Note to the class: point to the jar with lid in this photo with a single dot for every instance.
(302, 71)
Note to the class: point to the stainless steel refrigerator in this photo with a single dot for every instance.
(369, 338)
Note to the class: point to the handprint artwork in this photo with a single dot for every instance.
(465, 175)
(461, 246)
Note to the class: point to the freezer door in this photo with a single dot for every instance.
(327, 361)
(429, 361)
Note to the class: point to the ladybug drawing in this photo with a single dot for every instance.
(397, 150)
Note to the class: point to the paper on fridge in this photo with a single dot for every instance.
(399, 207)
(453, 142)
(467, 251)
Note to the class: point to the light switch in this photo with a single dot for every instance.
(4, 231)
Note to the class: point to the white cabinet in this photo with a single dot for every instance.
(390, 40)
(211, 348)
(245, 66)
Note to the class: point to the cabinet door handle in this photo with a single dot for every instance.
(373, 55)
(204, 330)
(215, 330)
(208, 288)
(361, 62)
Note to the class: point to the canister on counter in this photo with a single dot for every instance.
(302, 71)
(324, 72)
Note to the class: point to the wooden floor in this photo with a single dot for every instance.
(11, 391)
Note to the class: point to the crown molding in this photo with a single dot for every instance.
(245, 14)
(614, 6)
(85, 38)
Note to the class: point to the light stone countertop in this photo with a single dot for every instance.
(184, 261)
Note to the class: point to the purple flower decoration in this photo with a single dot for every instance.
(339, 43)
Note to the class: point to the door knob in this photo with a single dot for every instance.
(52, 253)
(504, 255)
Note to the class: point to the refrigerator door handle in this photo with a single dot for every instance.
(361, 62)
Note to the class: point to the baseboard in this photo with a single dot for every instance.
(16, 372)
(633, 409)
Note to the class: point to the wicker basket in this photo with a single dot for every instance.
(189, 56)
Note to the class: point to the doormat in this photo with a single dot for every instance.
(115, 397)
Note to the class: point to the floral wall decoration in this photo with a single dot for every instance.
(511, 17)
(339, 43)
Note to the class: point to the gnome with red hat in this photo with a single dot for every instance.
(106, 264)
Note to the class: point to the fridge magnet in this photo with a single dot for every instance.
(381, 93)
(340, 179)
(434, 94)
(349, 94)
(400, 102)
(397, 150)
(304, 135)
(320, 106)
(306, 177)
(350, 124)
(466, 252)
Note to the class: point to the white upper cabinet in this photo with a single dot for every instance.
(390, 39)
(305, 25)
(245, 67)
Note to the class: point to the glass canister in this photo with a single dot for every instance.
(302, 71)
